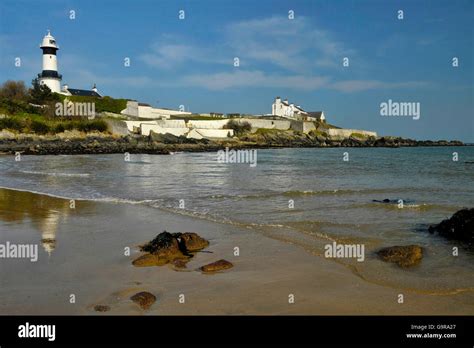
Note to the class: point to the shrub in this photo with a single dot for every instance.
(101, 104)
(14, 106)
(11, 123)
(41, 94)
(89, 126)
(30, 123)
(239, 128)
(39, 127)
(14, 90)
(59, 128)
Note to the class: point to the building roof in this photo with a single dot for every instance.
(83, 92)
(49, 41)
(299, 108)
(315, 113)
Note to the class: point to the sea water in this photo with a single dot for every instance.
(308, 197)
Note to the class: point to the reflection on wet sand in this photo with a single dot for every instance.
(46, 213)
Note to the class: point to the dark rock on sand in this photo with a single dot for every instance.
(459, 227)
(148, 260)
(167, 247)
(190, 241)
(216, 266)
(144, 299)
(164, 245)
(101, 308)
(405, 256)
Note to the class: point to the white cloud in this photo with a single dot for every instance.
(275, 52)
(256, 78)
(293, 45)
(239, 78)
(170, 51)
(364, 85)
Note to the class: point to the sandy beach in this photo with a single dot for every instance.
(87, 259)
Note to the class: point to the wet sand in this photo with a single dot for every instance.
(81, 252)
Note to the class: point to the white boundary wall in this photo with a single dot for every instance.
(145, 129)
(269, 124)
(204, 124)
(194, 134)
(171, 123)
(215, 133)
(133, 124)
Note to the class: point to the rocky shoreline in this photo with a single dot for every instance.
(166, 144)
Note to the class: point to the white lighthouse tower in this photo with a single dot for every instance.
(49, 76)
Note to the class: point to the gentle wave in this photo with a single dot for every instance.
(99, 199)
(299, 193)
(32, 172)
(408, 206)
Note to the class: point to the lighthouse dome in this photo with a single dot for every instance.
(49, 41)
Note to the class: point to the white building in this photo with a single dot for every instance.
(81, 92)
(295, 112)
(50, 77)
(143, 110)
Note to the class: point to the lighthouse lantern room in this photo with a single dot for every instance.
(49, 76)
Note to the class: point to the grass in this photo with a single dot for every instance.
(11, 107)
(195, 118)
(325, 125)
(101, 104)
(36, 124)
(316, 133)
(358, 135)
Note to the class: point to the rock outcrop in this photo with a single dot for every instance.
(31, 144)
(458, 227)
(404, 256)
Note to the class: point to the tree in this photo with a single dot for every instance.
(14, 90)
(41, 94)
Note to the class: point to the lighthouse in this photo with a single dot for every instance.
(49, 76)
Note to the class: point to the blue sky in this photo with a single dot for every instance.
(190, 62)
